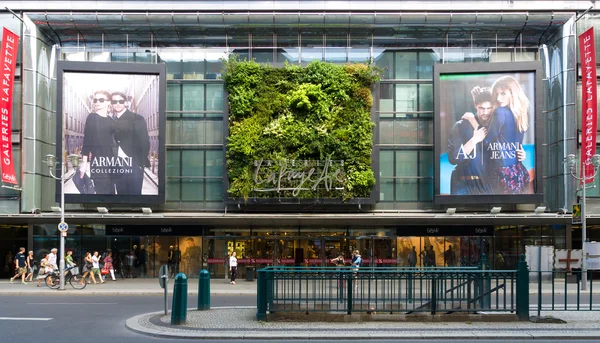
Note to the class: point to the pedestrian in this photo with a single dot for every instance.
(52, 258)
(130, 261)
(412, 257)
(96, 267)
(69, 262)
(30, 266)
(21, 266)
(88, 265)
(9, 263)
(45, 270)
(108, 264)
(355, 265)
(233, 267)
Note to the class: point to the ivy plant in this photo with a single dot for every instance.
(302, 132)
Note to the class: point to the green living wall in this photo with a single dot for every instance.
(300, 132)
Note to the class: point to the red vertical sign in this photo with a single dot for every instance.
(8, 62)
(589, 107)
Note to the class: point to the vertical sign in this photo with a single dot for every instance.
(589, 107)
(576, 214)
(8, 61)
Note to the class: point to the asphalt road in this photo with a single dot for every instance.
(54, 319)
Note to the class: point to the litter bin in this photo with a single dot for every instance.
(250, 273)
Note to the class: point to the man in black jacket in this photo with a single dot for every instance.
(131, 137)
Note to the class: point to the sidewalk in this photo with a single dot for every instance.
(241, 323)
(127, 287)
(220, 286)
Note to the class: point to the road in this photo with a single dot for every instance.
(54, 318)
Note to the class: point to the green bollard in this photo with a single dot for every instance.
(523, 289)
(179, 308)
(204, 290)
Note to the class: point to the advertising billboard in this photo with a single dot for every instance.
(112, 118)
(487, 134)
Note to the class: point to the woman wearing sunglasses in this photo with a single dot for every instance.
(97, 151)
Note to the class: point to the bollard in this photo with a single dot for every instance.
(179, 308)
(523, 289)
(204, 291)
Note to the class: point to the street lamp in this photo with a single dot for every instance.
(572, 163)
(51, 161)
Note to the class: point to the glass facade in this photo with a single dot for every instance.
(405, 46)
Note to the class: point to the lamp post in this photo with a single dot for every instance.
(51, 161)
(572, 163)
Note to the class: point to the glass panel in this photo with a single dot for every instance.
(386, 189)
(214, 190)
(426, 163)
(425, 131)
(406, 98)
(214, 97)
(406, 190)
(386, 99)
(425, 97)
(385, 60)
(406, 163)
(173, 189)
(214, 132)
(193, 97)
(173, 162)
(426, 189)
(173, 97)
(386, 132)
(426, 62)
(192, 163)
(386, 163)
(214, 163)
(192, 189)
(192, 131)
(173, 131)
(406, 63)
(405, 131)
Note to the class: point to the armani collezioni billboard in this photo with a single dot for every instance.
(113, 120)
(487, 135)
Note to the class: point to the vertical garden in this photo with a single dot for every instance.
(300, 132)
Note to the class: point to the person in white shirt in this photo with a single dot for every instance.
(233, 267)
(52, 258)
(96, 266)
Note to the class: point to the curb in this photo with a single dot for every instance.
(175, 332)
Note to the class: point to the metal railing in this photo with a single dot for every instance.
(385, 290)
(561, 291)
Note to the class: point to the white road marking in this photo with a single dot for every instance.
(29, 318)
(71, 303)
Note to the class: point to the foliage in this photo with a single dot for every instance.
(318, 113)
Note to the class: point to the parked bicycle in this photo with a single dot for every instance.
(73, 278)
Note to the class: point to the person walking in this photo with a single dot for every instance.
(108, 264)
(21, 266)
(96, 267)
(52, 258)
(45, 270)
(233, 267)
(88, 265)
(30, 264)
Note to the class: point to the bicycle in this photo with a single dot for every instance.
(75, 280)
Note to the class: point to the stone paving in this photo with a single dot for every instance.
(240, 322)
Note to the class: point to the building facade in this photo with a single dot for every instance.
(404, 38)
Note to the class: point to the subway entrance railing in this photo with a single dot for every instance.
(390, 290)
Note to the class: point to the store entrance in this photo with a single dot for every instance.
(376, 251)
